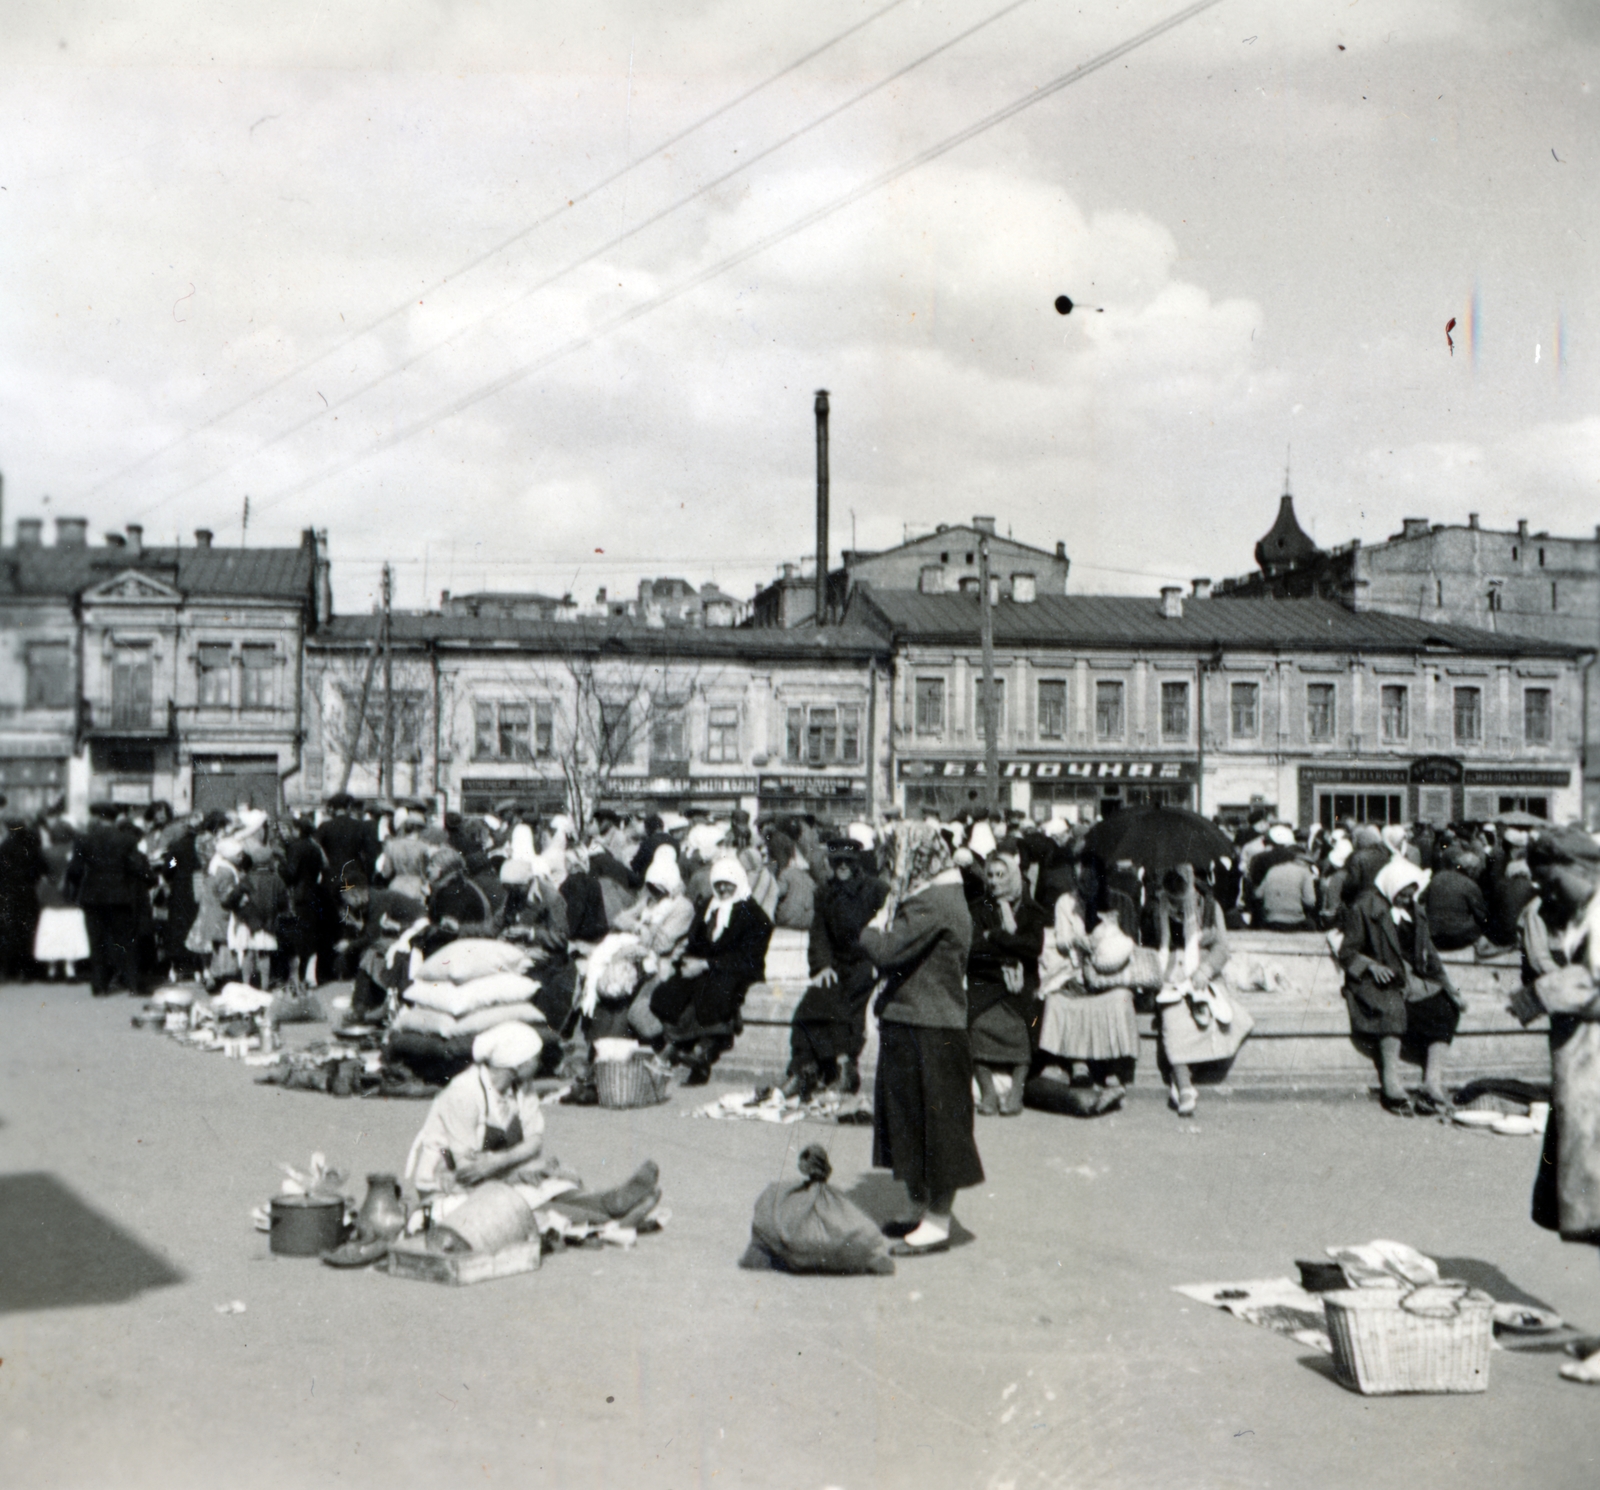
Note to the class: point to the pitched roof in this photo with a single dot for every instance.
(612, 635)
(1127, 622)
(862, 556)
(256, 573)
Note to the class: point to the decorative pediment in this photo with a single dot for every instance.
(133, 586)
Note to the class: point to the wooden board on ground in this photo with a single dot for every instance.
(413, 1260)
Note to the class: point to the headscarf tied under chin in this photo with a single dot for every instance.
(1183, 906)
(921, 855)
(726, 871)
(1011, 885)
(1395, 876)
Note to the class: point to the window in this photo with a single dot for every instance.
(824, 735)
(1108, 710)
(969, 558)
(1541, 561)
(1052, 709)
(616, 735)
(930, 706)
(255, 677)
(131, 680)
(1395, 710)
(669, 738)
(1319, 711)
(49, 675)
(1552, 593)
(999, 707)
(215, 660)
(410, 710)
(1469, 715)
(1536, 716)
(1174, 711)
(1244, 707)
(504, 732)
(722, 734)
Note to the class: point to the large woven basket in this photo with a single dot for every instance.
(630, 1083)
(1430, 1339)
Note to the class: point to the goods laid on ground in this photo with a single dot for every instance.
(810, 1227)
(768, 1105)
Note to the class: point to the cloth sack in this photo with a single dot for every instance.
(458, 999)
(472, 957)
(1141, 971)
(419, 1020)
(813, 1228)
(1109, 947)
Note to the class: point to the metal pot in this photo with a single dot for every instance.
(305, 1225)
(383, 1212)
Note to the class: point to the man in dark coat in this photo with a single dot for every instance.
(22, 865)
(109, 878)
(830, 1023)
(1457, 912)
(348, 839)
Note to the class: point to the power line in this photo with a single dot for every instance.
(505, 243)
(761, 245)
(595, 253)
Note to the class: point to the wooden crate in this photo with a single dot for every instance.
(411, 1259)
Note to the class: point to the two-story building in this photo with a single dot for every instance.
(574, 715)
(141, 673)
(1228, 705)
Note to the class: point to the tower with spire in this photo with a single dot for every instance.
(1285, 543)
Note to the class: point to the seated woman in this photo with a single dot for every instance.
(657, 928)
(1395, 986)
(725, 953)
(1008, 931)
(488, 1125)
(1199, 1024)
(1087, 1027)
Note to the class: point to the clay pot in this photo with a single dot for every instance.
(383, 1212)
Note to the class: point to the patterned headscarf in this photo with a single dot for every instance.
(921, 855)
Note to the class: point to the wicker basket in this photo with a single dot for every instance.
(1430, 1339)
(630, 1083)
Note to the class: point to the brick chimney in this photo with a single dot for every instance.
(202, 537)
(1413, 527)
(30, 532)
(1202, 589)
(984, 525)
(1172, 602)
(1472, 521)
(136, 537)
(1522, 529)
(72, 532)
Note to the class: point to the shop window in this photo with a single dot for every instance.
(1320, 700)
(1395, 713)
(49, 675)
(930, 706)
(215, 661)
(1534, 806)
(722, 735)
(256, 677)
(1244, 709)
(1469, 715)
(1108, 717)
(131, 683)
(824, 735)
(1053, 709)
(999, 707)
(669, 738)
(1536, 716)
(616, 735)
(1174, 711)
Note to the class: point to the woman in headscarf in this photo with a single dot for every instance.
(454, 902)
(922, 1107)
(829, 1027)
(61, 939)
(725, 953)
(1561, 973)
(1198, 1023)
(22, 866)
(1395, 986)
(1003, 978)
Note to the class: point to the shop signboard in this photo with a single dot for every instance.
(1436, 770)
(823, 787)
(1054, 768)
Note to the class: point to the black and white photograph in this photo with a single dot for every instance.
(800, 747)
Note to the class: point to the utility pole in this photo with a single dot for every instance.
(386, 762)
(821, 409)
(991, 748)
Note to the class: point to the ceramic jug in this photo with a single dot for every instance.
(383, 1212)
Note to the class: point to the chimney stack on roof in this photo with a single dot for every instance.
(1024, 588)
(72, 532)
(1202, 589)
(1172, 602)
(1472, 521)
(202, 537)
(1522, 529)
(136, 537)
(30, 532)
(984, 525)
(1414, 527)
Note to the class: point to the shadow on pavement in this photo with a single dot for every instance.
(60, 1252)
(1322, 1365)
(884, 1198)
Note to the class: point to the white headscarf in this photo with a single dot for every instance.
(981, 839)
(507, 1046)
(1394, 877)
(726, 871)
(663, 872)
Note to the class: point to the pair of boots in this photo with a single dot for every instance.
(990, 1103)
(805, 1082)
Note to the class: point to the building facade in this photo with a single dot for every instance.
(137, 674)
(1228, 707)
(571, 716)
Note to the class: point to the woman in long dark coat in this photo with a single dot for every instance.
(179, 865)
(22, 865)
(922, 1106)
(1008, 929)
(726, 952)
(830, 1023)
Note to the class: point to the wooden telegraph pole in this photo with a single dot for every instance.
(991, 748)
(386, 762)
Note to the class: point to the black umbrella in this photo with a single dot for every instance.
(1158, 839)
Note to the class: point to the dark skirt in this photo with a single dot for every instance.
(999, 1037)
(820, 1043)
(1376, 1011)
(922, 1110)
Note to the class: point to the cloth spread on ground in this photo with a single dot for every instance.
(768, 1105)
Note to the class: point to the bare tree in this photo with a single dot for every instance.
(356, 737)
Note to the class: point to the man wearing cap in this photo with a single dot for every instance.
(108, 878)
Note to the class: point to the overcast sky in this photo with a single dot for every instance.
(323, 255)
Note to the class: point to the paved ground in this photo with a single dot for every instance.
(1048, 1351)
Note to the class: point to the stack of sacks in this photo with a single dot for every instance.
(468, 987)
